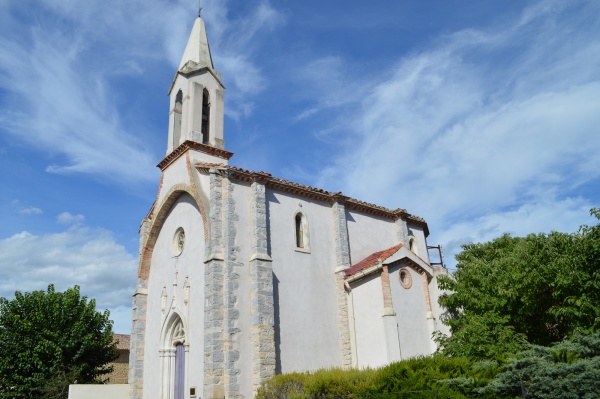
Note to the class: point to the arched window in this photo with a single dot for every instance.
(205, 116)
(301, 232)
(177, 119)
(412, 245)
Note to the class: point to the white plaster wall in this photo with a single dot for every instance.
(97, 391)
(185, 214)
(176, 173)
(435, 293)
(367, 298)
(304, 285)
(411, 313)
(368, 234)
(421, 241)
(242, 196)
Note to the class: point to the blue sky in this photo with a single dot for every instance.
(482, 117)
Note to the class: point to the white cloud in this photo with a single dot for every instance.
(540, 216)
(65, 73)
(82, 256)
(31, 211)
(486, 131)
(234, 43)
(67, 218)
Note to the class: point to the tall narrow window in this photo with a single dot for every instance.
(177, 119)
(299, 231)
(412, 245)
(205, 116)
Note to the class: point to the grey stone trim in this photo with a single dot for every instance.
(342, 255)
(231, 286)
(138, 332)
(340, 227)
(262, 309)
(402, 232)
(214, 358)
(144, 233)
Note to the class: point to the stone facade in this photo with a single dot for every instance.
(120, 366)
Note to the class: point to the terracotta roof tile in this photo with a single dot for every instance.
(372, 259)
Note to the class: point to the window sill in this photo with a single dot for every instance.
(305, 250)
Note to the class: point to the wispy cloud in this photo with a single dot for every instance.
(31, 211)
(65, 76)
(233, 44)
(68, 218)
(80, 255)
(480, 124)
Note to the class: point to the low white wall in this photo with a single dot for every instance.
(97, 391)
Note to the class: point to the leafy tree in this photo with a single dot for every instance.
(539, 289)
(51, 339)
(564, 371)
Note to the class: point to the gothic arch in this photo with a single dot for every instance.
(173, 354)
(158, 217)
(168, 336)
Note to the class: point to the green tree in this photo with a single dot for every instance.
(566, 370)
(539, 289)
(51, 339)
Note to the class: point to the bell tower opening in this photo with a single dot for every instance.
(205, 117)
(177, 119)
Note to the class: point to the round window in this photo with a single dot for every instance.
(178, 241)
(405, 278)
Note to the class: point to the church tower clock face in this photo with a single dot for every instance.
(178, 241)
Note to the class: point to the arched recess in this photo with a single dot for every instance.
(412, 245)
(174, 357)
(301, 231)
(158, 217)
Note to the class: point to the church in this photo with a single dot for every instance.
(243, 275)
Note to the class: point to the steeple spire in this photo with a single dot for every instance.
(197, 49)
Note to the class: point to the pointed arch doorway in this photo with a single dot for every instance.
(174, 364)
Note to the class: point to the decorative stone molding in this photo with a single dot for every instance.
(187, 145)
(157, 219)
(262, 309)
(342, 255)
(388, 306)
(406, 278)
(425, 281)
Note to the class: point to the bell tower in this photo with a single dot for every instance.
(196, 96)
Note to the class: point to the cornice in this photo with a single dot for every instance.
(192, 145)
(317, 194)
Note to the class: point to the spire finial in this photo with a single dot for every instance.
(199, 10)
